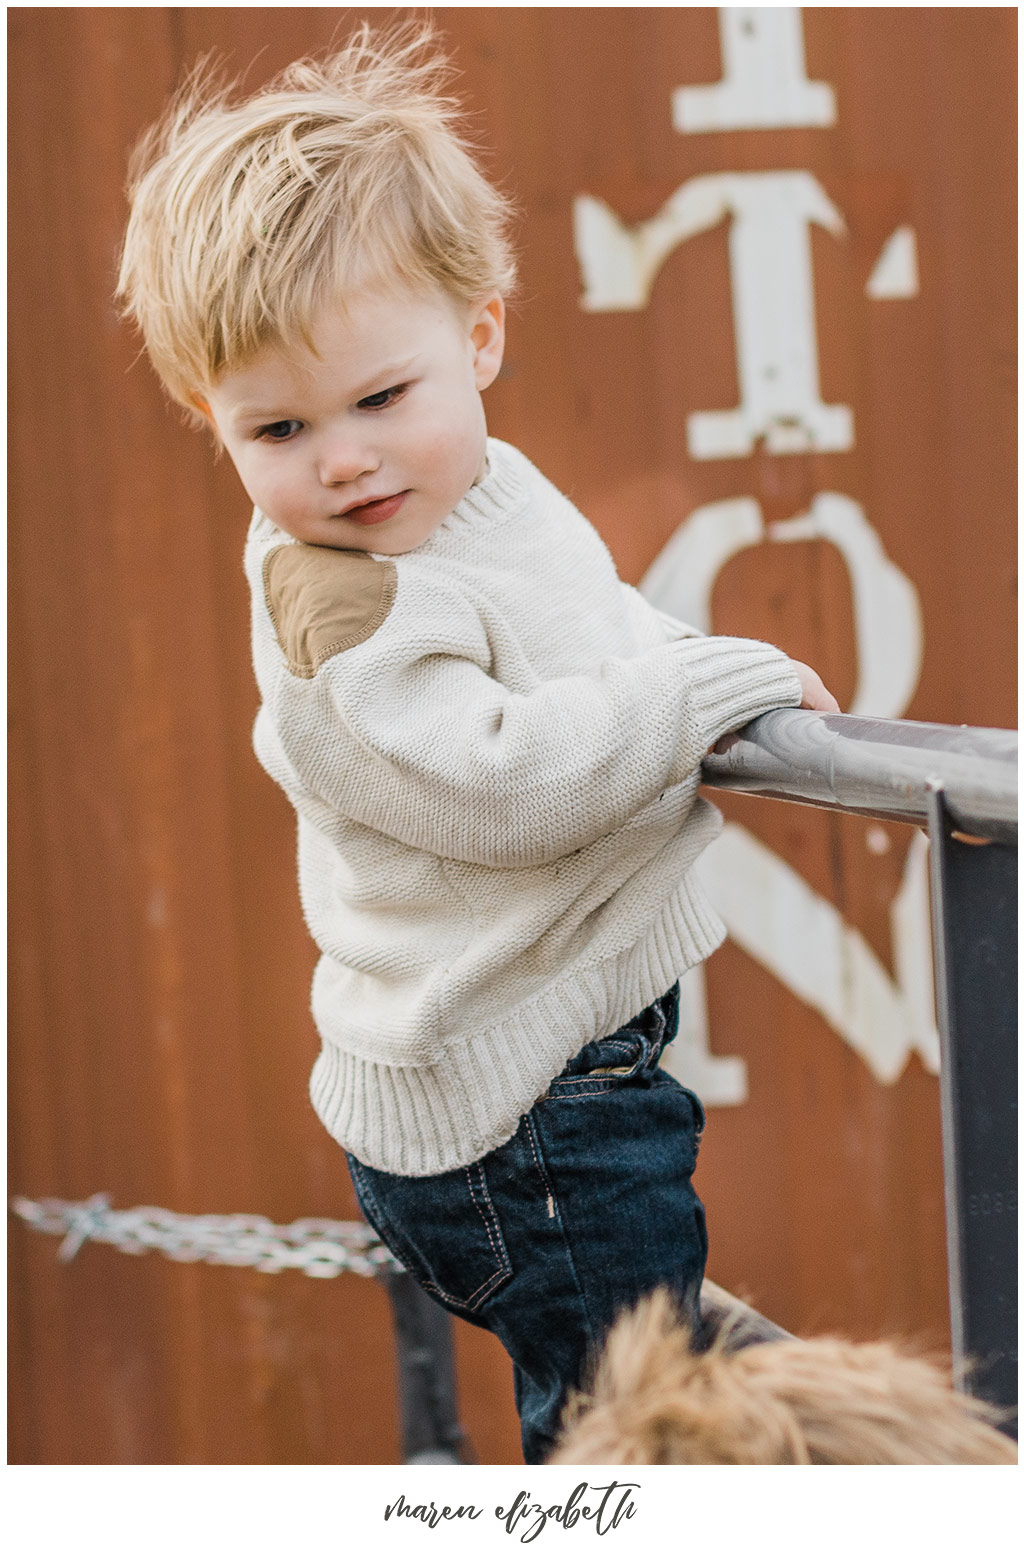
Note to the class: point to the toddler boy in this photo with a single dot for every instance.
(492, 744)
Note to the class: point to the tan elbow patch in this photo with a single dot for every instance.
(322, 601)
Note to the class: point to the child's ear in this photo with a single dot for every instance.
(487, 334)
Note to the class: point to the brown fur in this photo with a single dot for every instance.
(655, 1401)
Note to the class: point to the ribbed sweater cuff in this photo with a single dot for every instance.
(733, 681)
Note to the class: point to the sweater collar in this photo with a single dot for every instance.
(499, 494)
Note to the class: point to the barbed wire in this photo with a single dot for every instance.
(319, 1247)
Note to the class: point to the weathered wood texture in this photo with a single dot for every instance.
(160, 1036)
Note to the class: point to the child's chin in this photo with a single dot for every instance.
(393, 549)
(394, 546)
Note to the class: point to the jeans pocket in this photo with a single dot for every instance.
(444, 1229)
(630, 1054)
(618, 1061)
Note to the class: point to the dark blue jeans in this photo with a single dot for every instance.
(544, 1240)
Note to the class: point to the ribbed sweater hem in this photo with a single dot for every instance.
(425, 1120)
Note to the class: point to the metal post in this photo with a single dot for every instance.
(974, 927)
(426, 1375)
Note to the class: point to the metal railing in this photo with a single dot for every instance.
(961, 784)
(876, 768)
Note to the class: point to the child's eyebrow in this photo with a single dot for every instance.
(382, 378)
(385, 377)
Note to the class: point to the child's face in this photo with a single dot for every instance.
(371, 443)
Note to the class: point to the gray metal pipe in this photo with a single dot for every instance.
(878, 768)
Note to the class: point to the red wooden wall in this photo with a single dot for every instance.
(160, 1037)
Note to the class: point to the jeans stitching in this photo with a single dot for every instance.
(592, 1093)
(395, 1244)
(536, 1160)
(476, 1297)
(398, 1246)
(591, 1330)
(599, 1085)
(504, 1267)
(500, 1256)
(356, 1171)
(505, 1261)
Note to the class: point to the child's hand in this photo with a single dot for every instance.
(816, 694)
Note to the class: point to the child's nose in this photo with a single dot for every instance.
(344, 459)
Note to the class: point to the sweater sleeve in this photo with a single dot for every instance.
(649, 620)
(422, 743)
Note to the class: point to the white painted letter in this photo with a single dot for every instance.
(803, 939)
(772, 292)
(619, 263)
(764, 85)
(886, 609)
(773, 313)
(768, 909)
(886, 606)
(895, 271)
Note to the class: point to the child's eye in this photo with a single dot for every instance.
(278, 432)
(382, 398)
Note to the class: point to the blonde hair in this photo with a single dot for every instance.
(655, 1400)
(247, 217)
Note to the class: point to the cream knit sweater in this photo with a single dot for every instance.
(493, 748)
